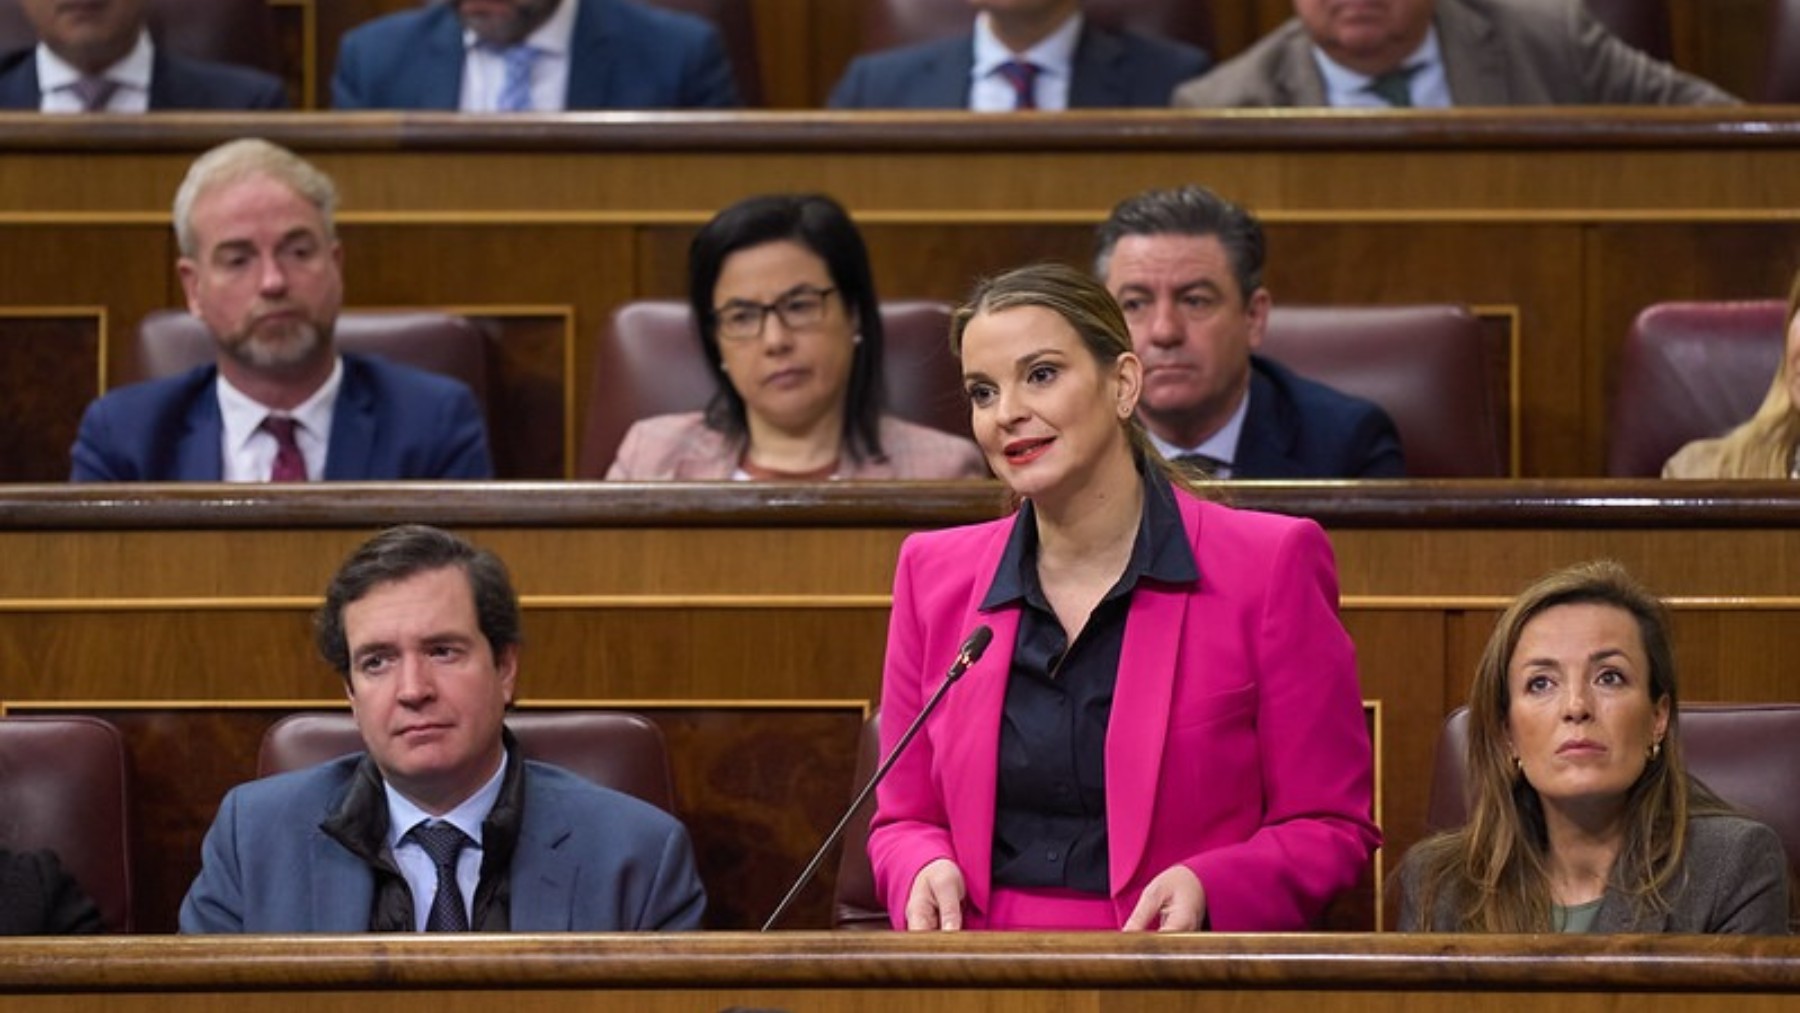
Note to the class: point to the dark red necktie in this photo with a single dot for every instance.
(290, 466)
(1023, 78)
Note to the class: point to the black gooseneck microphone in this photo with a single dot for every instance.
(967, 655)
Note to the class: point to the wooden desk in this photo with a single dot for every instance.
(753, 618)
(1565, 224)
(890, 973)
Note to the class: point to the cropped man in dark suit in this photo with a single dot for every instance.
(1186, 267)
(1384, 53)
(533, 56)
(262, 267)
(440, 824)
(1023, 54)
(97, 56)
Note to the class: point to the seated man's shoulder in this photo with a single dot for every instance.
(160, 393)
(581, 801)
(318, 786)
(1249, 78)
(400, 379)
(890, 78)
(652, 18)
(401, 24)
(207, 84)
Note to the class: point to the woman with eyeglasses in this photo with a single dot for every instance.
(790, 325)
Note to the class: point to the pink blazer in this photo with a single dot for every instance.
(1237, 744)
(680, 447)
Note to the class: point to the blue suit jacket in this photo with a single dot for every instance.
(175, 83)
(623, 56)
(390, 422)
(1297, 428)
(1111, 70)
(588, 859)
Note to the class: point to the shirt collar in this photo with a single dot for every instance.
(1054, 54)
(1220, 446)
(131, 72)
(1346, 87)
(554, 37)
(468, 817)
(1160, 553)
(242, 415)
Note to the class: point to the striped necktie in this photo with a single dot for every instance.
(1023, 78)
(515, 89)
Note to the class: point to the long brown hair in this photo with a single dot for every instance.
(1494, 869)
(1089, 309)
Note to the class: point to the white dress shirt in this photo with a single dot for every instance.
(248, 450)
(484, 68)
(1054, 56)
(416, 866)
(1347, 89)
(57, 77)
(1220, 446)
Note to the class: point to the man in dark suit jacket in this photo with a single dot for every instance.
(614, 54)
(1186, 268)
(441, 824)
(262, 267)
(1450, 52)
(1105, 70)
(98, 57)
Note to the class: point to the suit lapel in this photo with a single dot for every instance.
(1297, 77)
(1141, 710)
(592, 60)
(19, 83)
(200, 448)
(1474, 61)
(944, 76)
(544, 873)
(352, 443)
(969, 720)
(436, 80)
(1266, 443)
(340, 888)
(1098, 71)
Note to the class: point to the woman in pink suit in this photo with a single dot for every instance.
(1166, 731)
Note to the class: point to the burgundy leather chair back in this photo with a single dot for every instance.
(616, 749)
(855, 906)
(1781, 73)
(1690, 370)
(1748, 753)
(229, 31)
(1427, 365)
(1644, 24)
(648, 362)
(65, 785)
(172, 341)
(887, 23)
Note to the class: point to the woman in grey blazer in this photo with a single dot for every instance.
(1582, 815)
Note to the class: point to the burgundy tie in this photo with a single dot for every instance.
(1023, 78)
(290, 466)
(94, 93)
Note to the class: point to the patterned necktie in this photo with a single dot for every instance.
(443, 842)
(94, 93)
(1023, 78)
(515, 90)
(1395, 86)
(1204, 465)
(290, 464)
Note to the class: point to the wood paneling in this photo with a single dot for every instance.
(56, 353)
(716, 601)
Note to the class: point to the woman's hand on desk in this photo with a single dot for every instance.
(937, 898)
(1173, 902)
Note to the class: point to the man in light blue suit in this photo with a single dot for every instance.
(1022, 54)
(441, 825)
(262, 267)
(533, 56)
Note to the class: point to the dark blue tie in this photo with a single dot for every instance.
(1205, 465)
(1023, 78)
(443, 843)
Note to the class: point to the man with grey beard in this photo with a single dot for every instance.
(262, 267)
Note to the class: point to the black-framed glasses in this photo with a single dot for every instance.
(800, 309)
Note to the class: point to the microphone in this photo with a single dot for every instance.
(968, 654)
